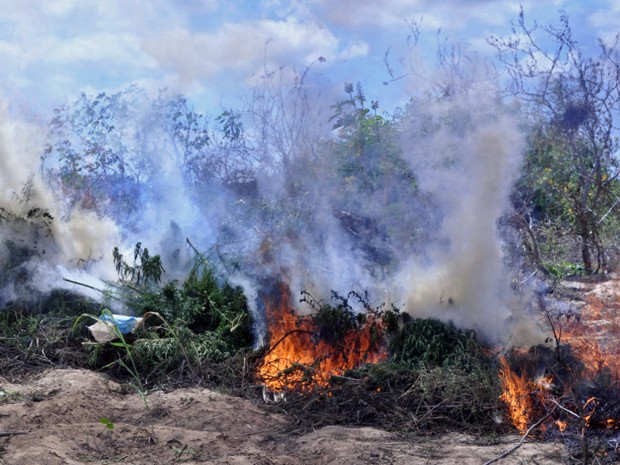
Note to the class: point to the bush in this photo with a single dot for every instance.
(186, 326)
(432, 342)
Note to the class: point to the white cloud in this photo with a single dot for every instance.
(10, 50)
(59, 7)
(606, 21)
(117, 49)
(196, 42)
(446, 14)
(353, 14)
(354, 50)
(242, 46)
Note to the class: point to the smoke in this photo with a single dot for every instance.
(467, 155)
(37, 248)
(411, 218)
(434, 251)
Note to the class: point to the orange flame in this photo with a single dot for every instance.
(516, 395)
(527, 398)
(592, 334)
(297, 358)
(562, 425)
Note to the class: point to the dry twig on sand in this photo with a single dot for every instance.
(520, 443)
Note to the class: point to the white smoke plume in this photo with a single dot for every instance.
(59, 247)
(466, 153)
(306, 227)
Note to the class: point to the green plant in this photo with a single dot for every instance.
(335, 321)
(565, 269)
(203, 304)
(109, 424)
(149, 270)
(430, 341)
(185, 325)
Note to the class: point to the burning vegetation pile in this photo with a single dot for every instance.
(304, 352)
(463, 213)
(411, 375)
(345, 361)
(428, 376)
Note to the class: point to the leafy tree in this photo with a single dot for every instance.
(106, 152)
(367, 148)
(96, 154)
(221, 155)
(228, 159)
(574, 104)
(187, 130)
(377, 199)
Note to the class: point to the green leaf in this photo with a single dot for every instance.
(109, 424)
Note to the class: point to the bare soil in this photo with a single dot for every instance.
(60, 410)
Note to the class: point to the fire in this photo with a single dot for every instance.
(299, 358)
(517, 396)
(532, 399)
(592, 337)
(583, 388)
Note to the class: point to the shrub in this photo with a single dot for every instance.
(430, 341)
(186, 326)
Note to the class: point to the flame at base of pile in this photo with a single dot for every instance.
(302, 357)
(564, 399)
(516, 394)
(578, 378)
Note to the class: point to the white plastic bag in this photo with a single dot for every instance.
(103, 330)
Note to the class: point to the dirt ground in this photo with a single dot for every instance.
(60, 410)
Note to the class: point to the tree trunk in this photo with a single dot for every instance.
(584, 234)
(585, 253)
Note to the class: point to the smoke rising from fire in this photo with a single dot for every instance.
(469, 165)
(466, 155)
(35, 235)
(423, 237)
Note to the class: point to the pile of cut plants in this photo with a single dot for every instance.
(199, 332)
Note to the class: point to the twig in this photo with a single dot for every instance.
(6, 434)
(134, 288)
(527, 433)
(570, 412)
(85, 285)
(288, 333)
(193, 247)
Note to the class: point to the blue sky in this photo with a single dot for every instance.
(212, 50)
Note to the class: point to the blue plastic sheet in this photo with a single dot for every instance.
(125, 324)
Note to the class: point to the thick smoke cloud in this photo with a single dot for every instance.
(36, 240)
(432, 251)
(469, 163)
(466, 154)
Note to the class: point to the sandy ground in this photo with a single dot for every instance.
(60, 413)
